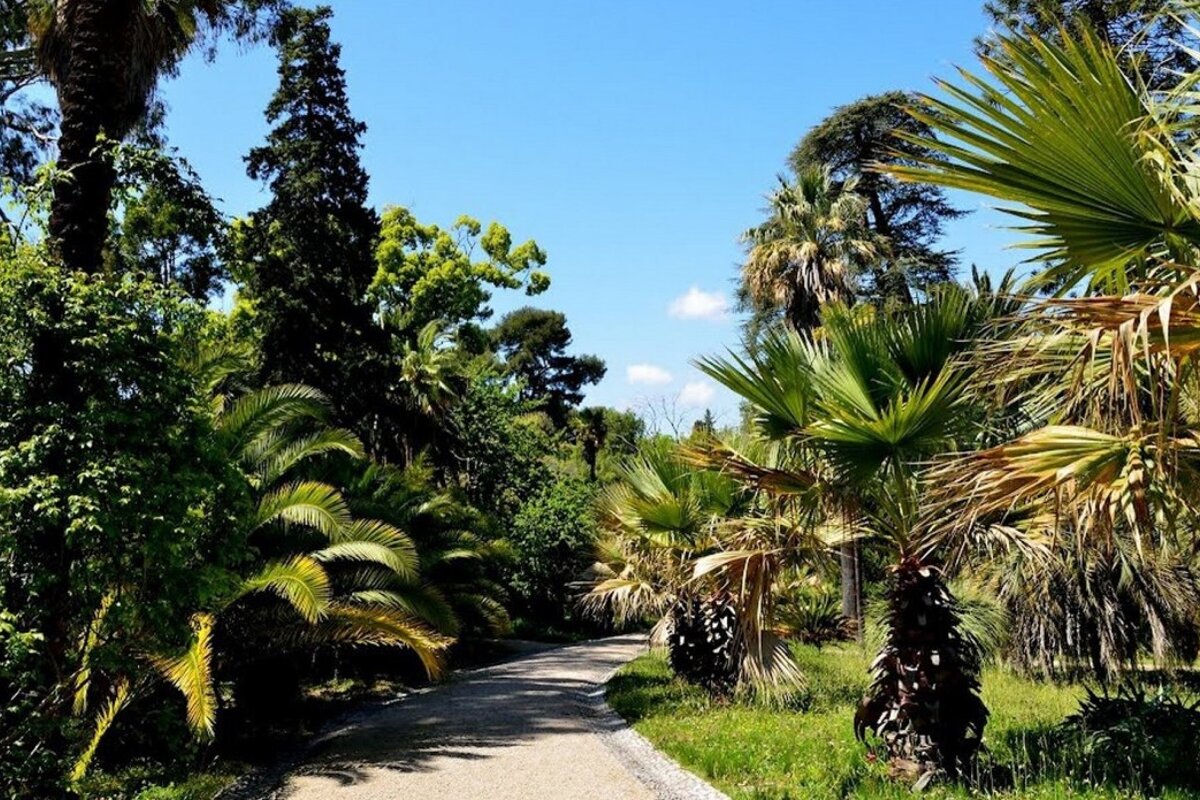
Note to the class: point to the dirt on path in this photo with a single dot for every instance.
(521, 730)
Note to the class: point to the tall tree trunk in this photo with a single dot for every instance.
(888, 282)
(851, 586)
(92, 100)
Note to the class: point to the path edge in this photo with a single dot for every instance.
(664, 776)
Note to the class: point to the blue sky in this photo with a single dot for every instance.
(633, 140)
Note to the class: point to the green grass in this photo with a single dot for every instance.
(810, 753)
(134, 784)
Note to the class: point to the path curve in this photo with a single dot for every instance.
(534, 728)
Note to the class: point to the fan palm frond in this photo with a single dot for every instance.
(1062, 132)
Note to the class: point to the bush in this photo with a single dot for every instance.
(812, 615)
(553, 537)
(1136, 735)
(115, 502)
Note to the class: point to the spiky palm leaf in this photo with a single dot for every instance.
(308, 504)
(1063, 132)
(300, 580)
(191, 672)
(104, 720)
(382, 626)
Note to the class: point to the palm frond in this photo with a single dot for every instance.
(384, 627)
(309, 504)
(1062, 132)
(191, 673)
(104, 720)
(91, 638)
(279, 460)
(301, 581)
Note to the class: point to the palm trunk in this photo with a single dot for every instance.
(91, 99)
(923, 703)
(851, 586)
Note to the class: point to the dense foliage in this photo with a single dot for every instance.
(355, 472)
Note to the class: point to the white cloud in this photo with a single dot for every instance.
(696, 394)
(647, 374)
(698, 304)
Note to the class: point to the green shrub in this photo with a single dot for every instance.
(114, 497)
(552, 538)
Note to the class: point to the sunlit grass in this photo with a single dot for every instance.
(810, 753)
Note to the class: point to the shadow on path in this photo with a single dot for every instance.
(528, 716)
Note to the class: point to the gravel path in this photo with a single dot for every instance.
(535, 728)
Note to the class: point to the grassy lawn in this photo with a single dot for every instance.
(810, 753)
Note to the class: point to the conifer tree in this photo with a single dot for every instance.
(307, 258)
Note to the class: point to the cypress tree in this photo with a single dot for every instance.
(307, 258)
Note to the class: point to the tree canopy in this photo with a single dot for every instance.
(533, 344)
(853, 143)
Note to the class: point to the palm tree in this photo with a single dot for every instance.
(455, 589)
(591, 431)
(807, 254)
(310, 584)
(1106, 470)
(810, 249)
(658, 516)
(104, 59)
(863, 403)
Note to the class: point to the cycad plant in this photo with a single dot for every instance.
(300, 582)
(1104, 473)
(863, 403)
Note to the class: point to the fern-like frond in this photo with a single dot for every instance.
(83, 678)
(104, 721)
(191, 673)
(309, 504)
(301, 581)
(379, 626)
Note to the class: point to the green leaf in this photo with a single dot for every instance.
(301, 581)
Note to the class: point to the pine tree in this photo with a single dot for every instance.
(307, 258)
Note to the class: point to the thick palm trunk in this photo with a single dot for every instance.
(92, 100)
(924, 703)
(705, 646)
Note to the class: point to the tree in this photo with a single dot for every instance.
(91, 500)
(1106, 466)
(169, 225)
(863, 405)
(496, 452)
(552, 537)
(430, 274)
(307, 258)
(1145, 34)
(705, 426)
(811, 249)
(533, 344)
(591, 430)
(25, 125)
(104, 59)
(910, 217)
